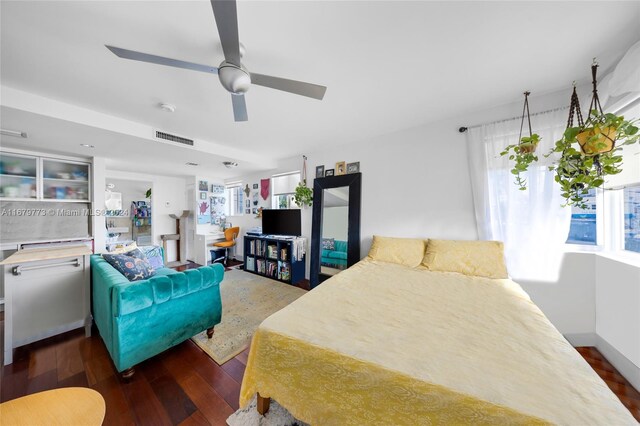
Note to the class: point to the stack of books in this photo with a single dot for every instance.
(284, 271)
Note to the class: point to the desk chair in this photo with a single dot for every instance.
(230, 236)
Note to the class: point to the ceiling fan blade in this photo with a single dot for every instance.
(314, 91)
(161, 60)
(239, 107)
(226, 14)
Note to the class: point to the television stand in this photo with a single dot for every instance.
(272, 256)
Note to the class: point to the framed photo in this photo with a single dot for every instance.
(247, 211)
(255, 186)
(203, 185)
(329, 172)
(353, 167)
(217, 189)
(341, 168)
(255, 210)
(248, 203)
(319, 171)
(203, 195)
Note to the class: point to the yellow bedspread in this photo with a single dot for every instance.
(381, 343)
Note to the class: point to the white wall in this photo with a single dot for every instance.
(335, 222)
(618, 314)
(569, 302)
(97, 192)
(168, 197)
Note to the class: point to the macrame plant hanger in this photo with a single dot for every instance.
(304, 170)
(574, 109)
(595, 100)
(525, 108)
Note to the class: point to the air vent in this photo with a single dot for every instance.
(173, 138)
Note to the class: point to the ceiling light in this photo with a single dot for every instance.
(230, 164)
(86, 145)
(15, 133)
(191, 164)
(167, 107)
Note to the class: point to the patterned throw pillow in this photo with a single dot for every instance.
(154, 255)
(132, 268)
(328, 244)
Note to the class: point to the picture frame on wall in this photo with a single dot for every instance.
(217, 189)
(255, 186)
(341, 168)
(203, 185)
(353, 167)
(320, 171)
(329, 172)
(203, 195)
(247, 203)
(247, 211)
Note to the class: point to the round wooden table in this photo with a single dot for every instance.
(64, 406)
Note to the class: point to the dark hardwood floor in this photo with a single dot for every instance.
(180, 386)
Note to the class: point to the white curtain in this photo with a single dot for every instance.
(532, 224)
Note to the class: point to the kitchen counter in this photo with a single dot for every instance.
(34, 255)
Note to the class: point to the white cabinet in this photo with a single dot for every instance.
(28, 177)
(46, 293)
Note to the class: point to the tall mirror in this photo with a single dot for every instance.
(335, 234)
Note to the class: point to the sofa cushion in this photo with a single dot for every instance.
(134, 269)
(337, 255)
(165, 272)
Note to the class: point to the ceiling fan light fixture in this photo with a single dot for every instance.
(233, 78)
(230, 164)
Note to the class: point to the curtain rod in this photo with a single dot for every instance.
(464, 129)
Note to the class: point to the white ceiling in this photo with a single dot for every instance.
(388, 65)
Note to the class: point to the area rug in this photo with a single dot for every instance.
(276, 416)
(247, 300)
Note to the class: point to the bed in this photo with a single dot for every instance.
(390, 343)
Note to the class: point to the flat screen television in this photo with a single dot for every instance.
(281, 222)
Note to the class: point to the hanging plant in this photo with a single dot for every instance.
(523, 153)
(590, 151)
(303, 196)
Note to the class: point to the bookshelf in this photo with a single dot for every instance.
(271, 257)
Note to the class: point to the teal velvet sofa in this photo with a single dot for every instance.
(335, 258)
(140, 319)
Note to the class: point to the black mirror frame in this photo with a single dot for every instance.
(354, 182)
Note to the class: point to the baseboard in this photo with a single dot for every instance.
(582, 339)
(628, 369)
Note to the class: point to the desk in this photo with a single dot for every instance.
(65, 406)
(46, 293)
(203, 245)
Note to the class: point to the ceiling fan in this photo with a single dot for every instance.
(233, 76)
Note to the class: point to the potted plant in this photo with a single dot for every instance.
(589, 153)
(303, 196)
(523, 154)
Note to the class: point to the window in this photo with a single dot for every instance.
(235, 198)
(632, 218)
(584, 229)
(284, 188)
